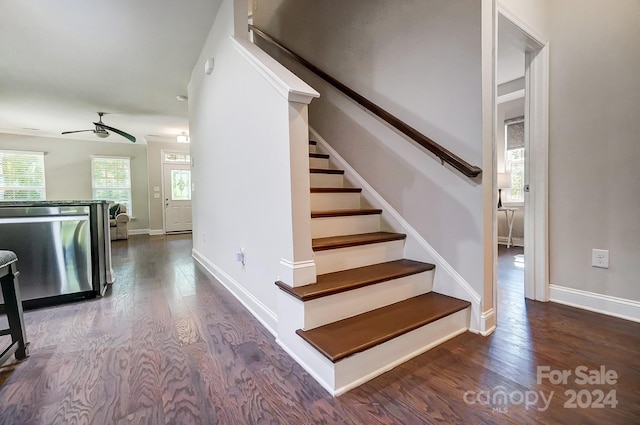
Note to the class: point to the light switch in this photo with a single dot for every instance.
(156, 188)
(156, 195)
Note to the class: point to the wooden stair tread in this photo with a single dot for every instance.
(345, 213)
(333, 242)
(346, 280)
(336, 190)
(355, 334)
(325, 171)
(319, 155)
(313, 142)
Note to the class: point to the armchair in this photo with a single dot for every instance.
(118, 222)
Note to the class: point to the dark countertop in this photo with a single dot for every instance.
(59, 203)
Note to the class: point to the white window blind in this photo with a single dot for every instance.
(515, 133)
(111, 180)
(22, 176)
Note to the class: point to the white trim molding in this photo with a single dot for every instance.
(284, 81)
(260, 311)
(297, 273)
(139, 231)
(488, 322)
(599, 303)
(156, 232)
(521, 23)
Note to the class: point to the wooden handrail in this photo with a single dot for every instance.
(444, 154)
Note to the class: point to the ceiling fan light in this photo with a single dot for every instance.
(102, 134)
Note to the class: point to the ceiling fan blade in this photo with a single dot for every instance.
(77, 131)
(115, 130)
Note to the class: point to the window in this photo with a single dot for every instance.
(514, 160)
(177, 157)
(22, 176)
(180, 185)
(111, 179)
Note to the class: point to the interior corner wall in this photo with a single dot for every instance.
(532, 12)
(594, 152)
(67, 166)
(239, 130)
(421, 61)
(156, 179)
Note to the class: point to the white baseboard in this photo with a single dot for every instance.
(156, 232)
(488, 322)
(260, 311)
(138, 231)
(599, 303)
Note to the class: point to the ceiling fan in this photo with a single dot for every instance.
(101, 130)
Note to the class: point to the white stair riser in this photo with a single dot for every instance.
(333, 260)
(336, 307)
(318, 162)
(313, 148)
(359, 368)
(335, 201)
(321, 368)
(355, 370)
(323, 227)
(326, 180)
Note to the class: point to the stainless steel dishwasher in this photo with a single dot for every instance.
(53, 245)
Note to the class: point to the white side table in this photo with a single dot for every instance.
(510, 213)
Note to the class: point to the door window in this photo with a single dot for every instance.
(180, 185)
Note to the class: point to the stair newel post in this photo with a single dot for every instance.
(299, 269)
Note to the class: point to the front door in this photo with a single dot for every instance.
(177, 198)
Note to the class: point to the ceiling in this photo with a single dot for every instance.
(62, 61)
(511, 51)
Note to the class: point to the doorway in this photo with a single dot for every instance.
(511, 164)
(533, 88)
(177, 197)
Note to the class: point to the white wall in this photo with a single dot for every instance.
(240, 141)
(68, 168)
(594, 184)
(420, 60)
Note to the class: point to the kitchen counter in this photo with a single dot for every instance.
(63, 248)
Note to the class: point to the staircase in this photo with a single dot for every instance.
(370, 308)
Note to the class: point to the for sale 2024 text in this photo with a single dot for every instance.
(583, 398)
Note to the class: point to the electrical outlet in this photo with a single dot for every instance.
(240, 256)
(600, 258)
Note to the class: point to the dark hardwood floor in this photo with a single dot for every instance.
(169, 346)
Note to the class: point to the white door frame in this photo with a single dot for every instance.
(536, 210)
(536, 167)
